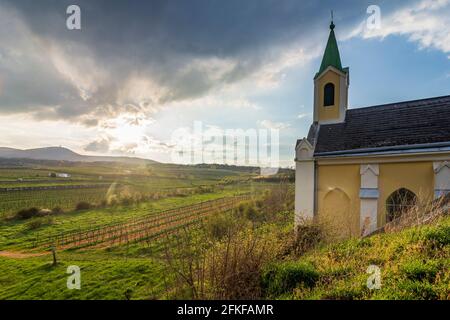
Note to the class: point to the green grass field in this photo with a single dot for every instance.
(132, 271)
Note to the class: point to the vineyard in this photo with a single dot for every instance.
(64, 198)
(114, 221)
(143, 228)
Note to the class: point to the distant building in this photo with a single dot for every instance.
(63, 175)
(59, 175)
(360, 168)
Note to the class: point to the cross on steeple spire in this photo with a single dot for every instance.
(332, 24)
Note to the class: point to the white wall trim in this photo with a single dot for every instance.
(304, 151)
(304, 181)
(441, 178)
(369, 195)
(330, 68)
(304, 190)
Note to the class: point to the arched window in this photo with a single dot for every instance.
(328, 94)
(399, 202)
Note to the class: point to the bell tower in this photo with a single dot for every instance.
(331, 85)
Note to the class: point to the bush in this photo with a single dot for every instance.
(439, 236)
(57, 210)
(415, 290)
(420, 270)
(103, 203)
(307, 236)
(249, 211)
(127, 201)
(83, 205)
(220, 225)
(38, 222)
(282, 278)
(27, 213)
(34, 224)
(229, 269)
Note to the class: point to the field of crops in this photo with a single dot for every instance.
(142, 228)
(119, 245)
(22, 188)
(66, 199)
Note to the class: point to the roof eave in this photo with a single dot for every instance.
(403, 149)
(342, 72)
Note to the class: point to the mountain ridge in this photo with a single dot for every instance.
(64, 154)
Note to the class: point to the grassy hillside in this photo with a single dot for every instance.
(414, 264)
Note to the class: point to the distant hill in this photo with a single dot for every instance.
(64, 154)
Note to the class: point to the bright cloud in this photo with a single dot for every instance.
(268, 124)
(426, 22)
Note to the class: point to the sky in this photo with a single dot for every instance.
(137, 72)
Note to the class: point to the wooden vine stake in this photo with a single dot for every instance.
(54, 255)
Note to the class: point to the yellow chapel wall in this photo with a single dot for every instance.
(338, 186)
(329, 112)
(338, 204)
(417, 177)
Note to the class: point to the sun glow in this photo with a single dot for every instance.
(128, 133)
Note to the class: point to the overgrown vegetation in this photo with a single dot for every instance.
(254, 254)
(225, 258)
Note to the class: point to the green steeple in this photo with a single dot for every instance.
(331, 55)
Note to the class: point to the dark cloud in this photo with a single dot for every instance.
(60, 74)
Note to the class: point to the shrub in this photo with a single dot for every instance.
(33, 224)
(439, 236)
(282, 278)
(220, 225)
(103, 203)
(38, 222)
(415, 290)
(230, 269)
(307, 236)
(127, 201)
(57, 210)
(249, 211)
(27, 213)
(113, 202)
(420, 270)
(83, 205)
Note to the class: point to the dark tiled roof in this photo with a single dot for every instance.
(398, 124)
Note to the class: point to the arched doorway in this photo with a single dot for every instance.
(399, 202)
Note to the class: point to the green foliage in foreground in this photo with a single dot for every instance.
(414, 264)
(101, 277)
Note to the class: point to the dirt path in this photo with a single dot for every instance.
(21, 255)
